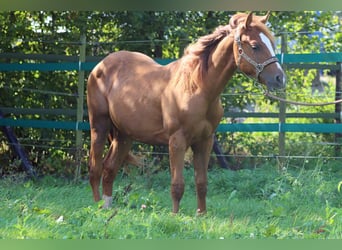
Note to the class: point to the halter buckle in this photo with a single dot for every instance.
(259, 67)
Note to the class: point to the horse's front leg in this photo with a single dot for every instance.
(177, 148)
(201, 152)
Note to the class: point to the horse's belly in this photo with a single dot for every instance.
(155, 135)
(141, 126)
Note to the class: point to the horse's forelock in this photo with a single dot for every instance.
(237, 19)
(240, 18)
(257, 26)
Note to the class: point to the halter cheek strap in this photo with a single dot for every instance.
(259, 67)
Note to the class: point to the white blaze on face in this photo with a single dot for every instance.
(268, 44)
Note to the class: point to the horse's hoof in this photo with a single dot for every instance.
(201, 212)
(173, 213)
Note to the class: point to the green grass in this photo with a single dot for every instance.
(298, 202)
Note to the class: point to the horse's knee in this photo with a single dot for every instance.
(177, 191)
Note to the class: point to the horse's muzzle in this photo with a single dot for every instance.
(276, 81)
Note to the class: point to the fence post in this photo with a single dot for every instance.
(338, 109)
(282, 111)
(80, 102)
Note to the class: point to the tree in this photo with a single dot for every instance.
(157, 34)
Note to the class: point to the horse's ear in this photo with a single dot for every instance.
(249, 20)
(264, 19)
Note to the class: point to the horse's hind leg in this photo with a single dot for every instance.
(98, 134)
(117, 154)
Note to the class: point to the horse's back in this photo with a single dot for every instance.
(126, 67)
(127, 60)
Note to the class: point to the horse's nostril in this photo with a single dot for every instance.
(279, 79)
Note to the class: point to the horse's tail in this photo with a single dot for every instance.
(130, 158)
(133, 160)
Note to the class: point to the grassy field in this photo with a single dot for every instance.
(297, 202)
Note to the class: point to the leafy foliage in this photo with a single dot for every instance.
(158, 34)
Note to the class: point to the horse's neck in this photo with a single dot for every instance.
(221, 67)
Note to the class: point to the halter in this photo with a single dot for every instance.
(259, 67)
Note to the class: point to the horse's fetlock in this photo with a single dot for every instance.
(108, 200)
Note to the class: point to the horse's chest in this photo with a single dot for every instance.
(202, 123)
(193, 114)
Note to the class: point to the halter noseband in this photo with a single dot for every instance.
(259, 67)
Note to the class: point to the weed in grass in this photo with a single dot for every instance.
(258, 203)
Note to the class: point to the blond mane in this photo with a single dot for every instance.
(194, 63)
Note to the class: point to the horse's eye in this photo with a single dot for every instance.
(255, 46)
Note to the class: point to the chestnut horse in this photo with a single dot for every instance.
(131, 97)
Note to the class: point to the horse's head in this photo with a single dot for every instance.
(254, 50)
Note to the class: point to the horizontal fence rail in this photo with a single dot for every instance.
(281, 127)
(87, 66)
(223, 127)
(228, 114)
(314, 60)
